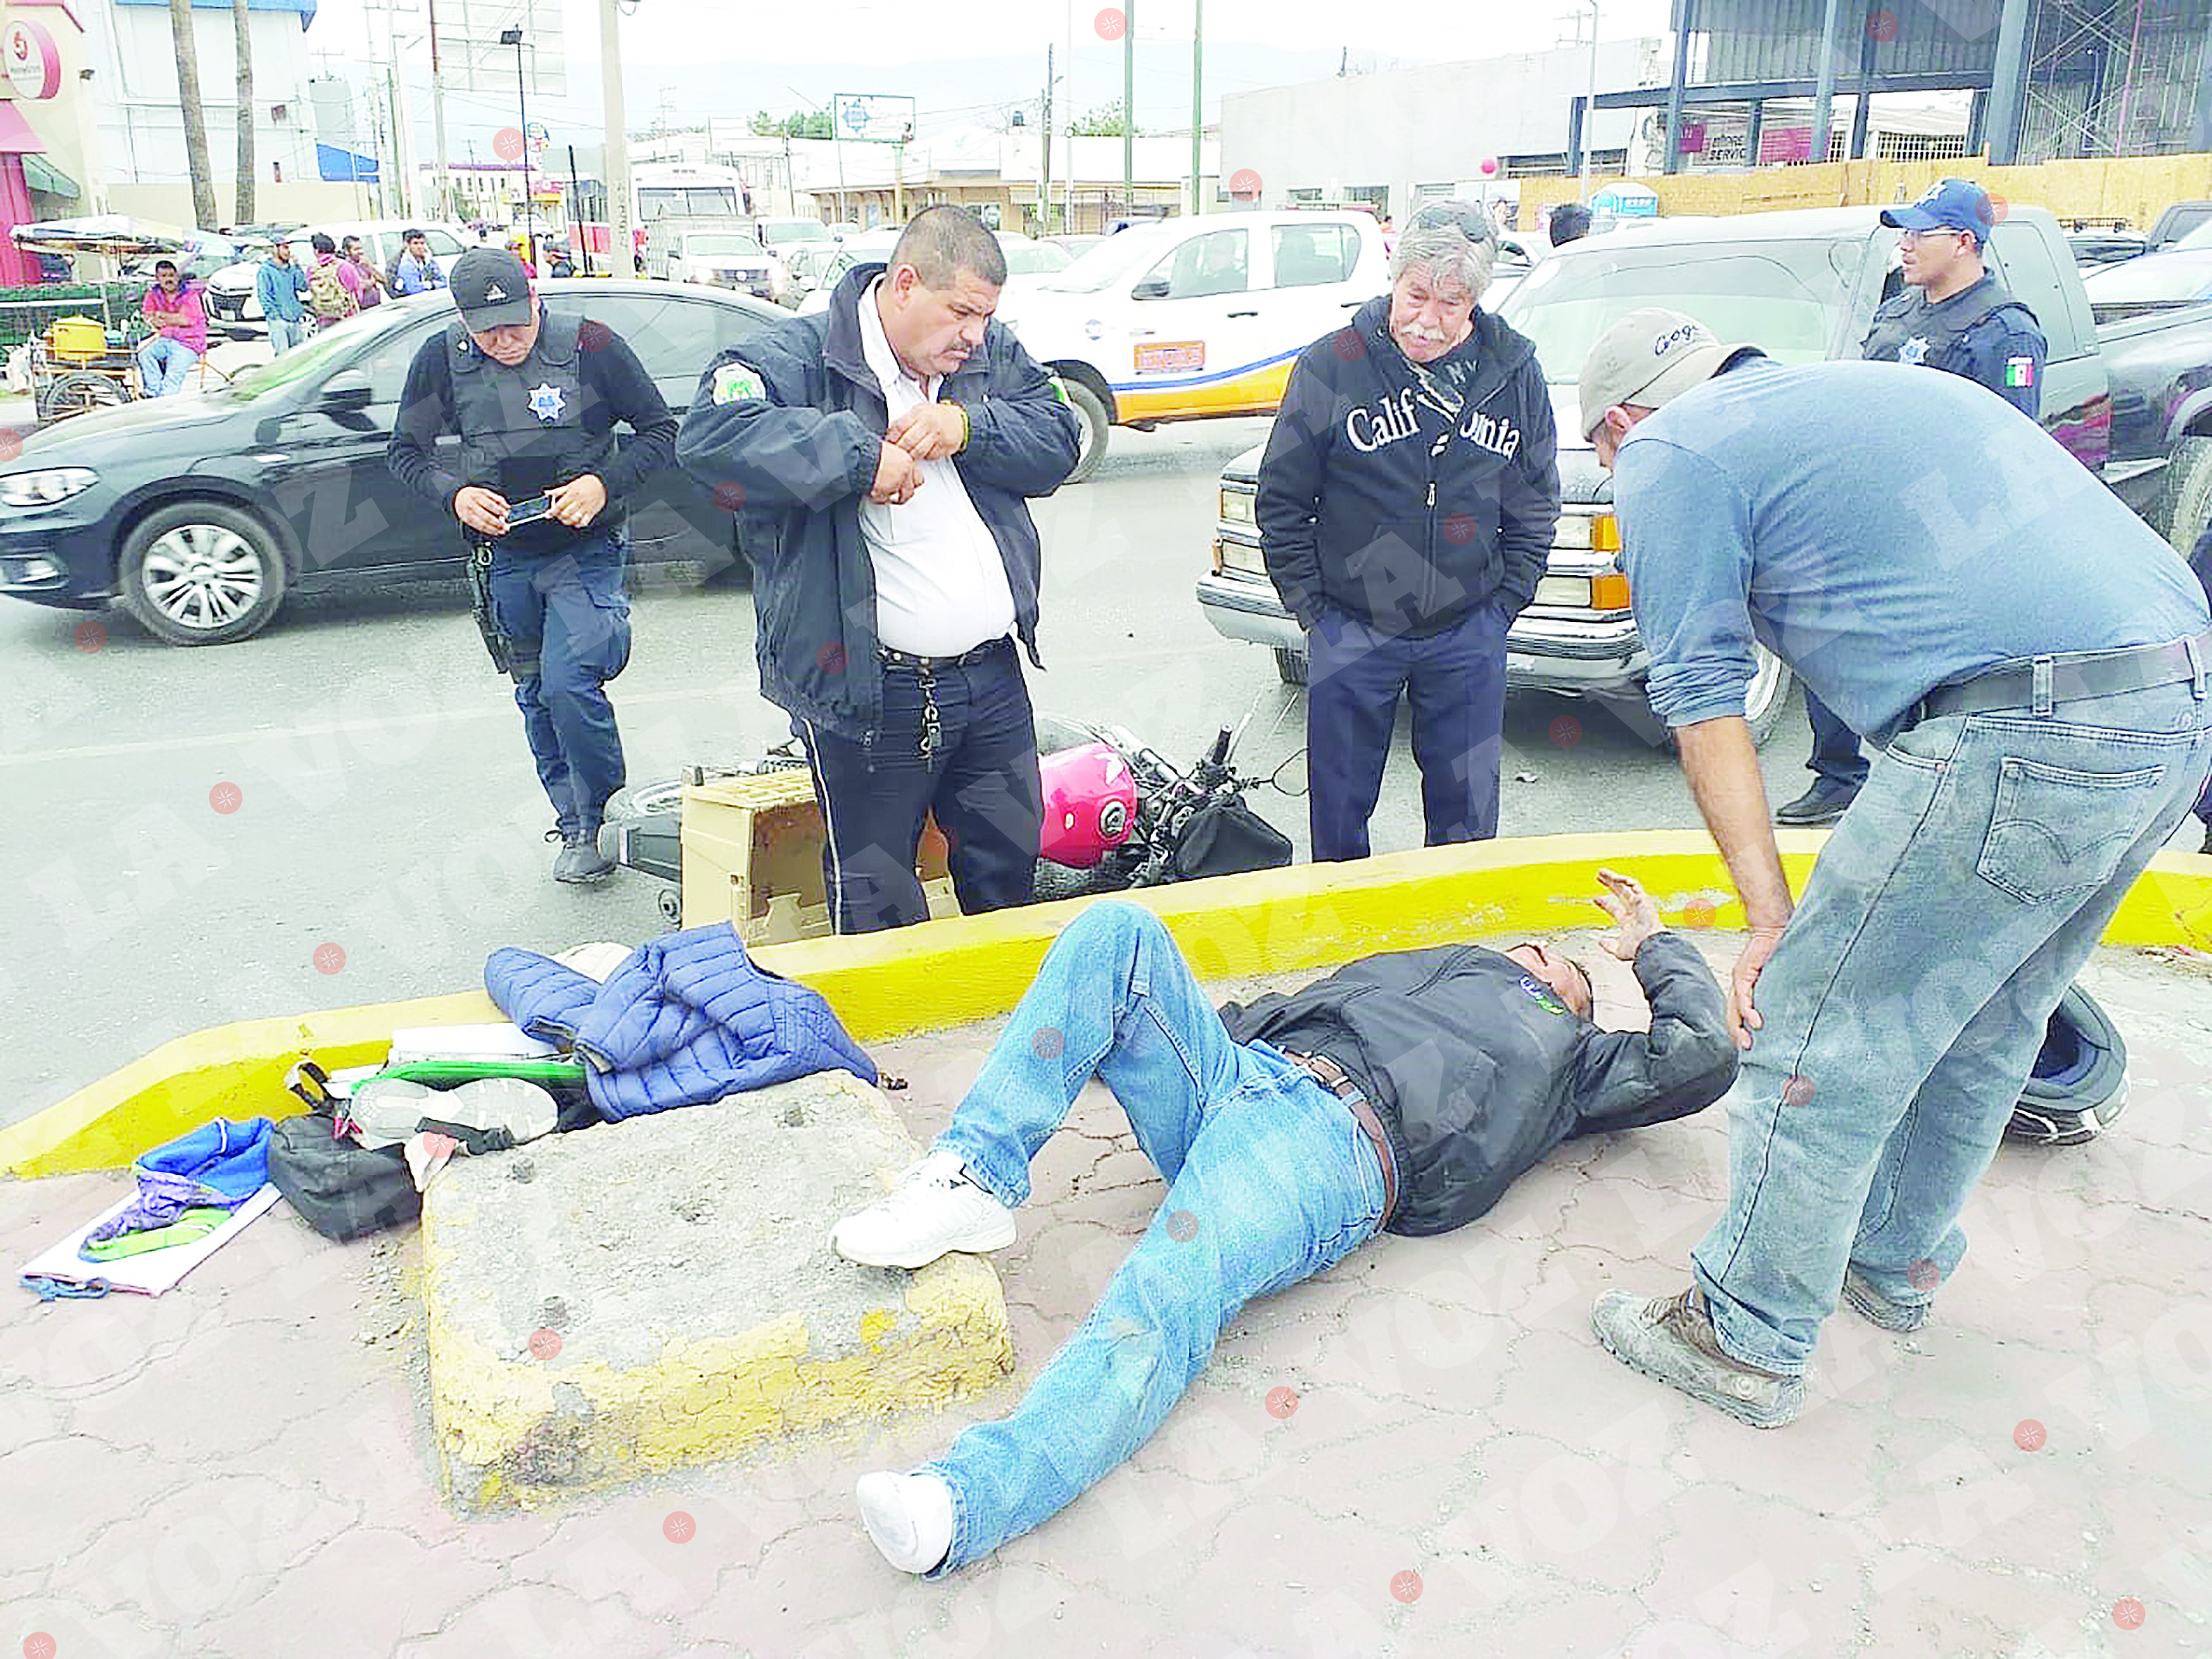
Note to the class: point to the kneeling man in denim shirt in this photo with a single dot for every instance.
(1403, 1092)
(2032, 658)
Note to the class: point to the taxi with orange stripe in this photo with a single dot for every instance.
(1190, 318)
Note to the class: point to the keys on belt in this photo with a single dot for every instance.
(1338, 1082)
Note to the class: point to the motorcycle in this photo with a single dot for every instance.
(1117, 815)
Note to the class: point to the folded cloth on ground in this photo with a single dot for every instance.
(191, 1224)
(218, 1165)
(688, 1018)
(494, 1113)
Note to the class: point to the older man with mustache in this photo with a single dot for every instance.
(1406, 507)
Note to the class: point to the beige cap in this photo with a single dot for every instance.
(1647, 358)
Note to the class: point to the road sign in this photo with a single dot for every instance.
(873, 118)
(539, 138)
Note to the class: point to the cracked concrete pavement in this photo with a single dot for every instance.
(1422, 1452)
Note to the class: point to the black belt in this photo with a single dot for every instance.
(1335, 1079)
(2050, 680)
(891, 659)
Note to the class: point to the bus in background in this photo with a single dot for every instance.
(658, 191)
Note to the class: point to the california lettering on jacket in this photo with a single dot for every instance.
(1392, 417)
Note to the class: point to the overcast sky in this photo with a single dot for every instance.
(862, 44)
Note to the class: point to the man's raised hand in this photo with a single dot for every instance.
(1635, 917)
(929, 432)
(898, 474)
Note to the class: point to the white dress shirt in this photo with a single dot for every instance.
(940, 582)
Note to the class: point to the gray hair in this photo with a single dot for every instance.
(1451, 257)
(941, 242)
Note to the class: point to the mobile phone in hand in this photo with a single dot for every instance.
(529, 512)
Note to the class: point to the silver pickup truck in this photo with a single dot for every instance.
(2132, 399)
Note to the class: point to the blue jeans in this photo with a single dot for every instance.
(1951, 908)
(1269, 1182)
(1456, 683)
(164, 365)
(980, 777)
(568, 618)
(285, 333)
(1836, 757)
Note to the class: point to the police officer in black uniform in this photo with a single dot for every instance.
(539, 488)
(1952, 315)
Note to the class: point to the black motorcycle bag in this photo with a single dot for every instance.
(343, 1190)
(1225, 837)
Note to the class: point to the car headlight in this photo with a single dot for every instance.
(43, 488)
(1237, 506)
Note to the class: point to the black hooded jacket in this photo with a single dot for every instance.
(1376, 500)
(1477, 1069)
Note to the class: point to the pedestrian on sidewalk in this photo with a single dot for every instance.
(281, 288)
(2037, 662)
(1403, 1093)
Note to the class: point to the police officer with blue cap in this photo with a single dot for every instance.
(1952, 315)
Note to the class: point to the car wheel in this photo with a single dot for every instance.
(647, 800)
(1090, 448)
(2186, 506)
(201, 573)
(73, 394)
(1291, 665)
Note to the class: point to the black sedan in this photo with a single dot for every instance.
(196, 514)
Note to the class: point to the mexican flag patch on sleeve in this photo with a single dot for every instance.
(735, 382)
(2020, 371)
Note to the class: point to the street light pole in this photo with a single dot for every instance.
(1129, 109)
(1589, 108)
(514, 38)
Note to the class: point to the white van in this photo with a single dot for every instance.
(1190, 319)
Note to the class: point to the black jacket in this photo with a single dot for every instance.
(1478, 1071)
(800, 458)
(1375, 502)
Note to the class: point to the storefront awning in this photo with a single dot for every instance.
(346, 166)
(16, 137)
(305, 8)
(44, 176)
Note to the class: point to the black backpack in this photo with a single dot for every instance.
(341, 1189)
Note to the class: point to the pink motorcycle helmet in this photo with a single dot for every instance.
(1089, 803)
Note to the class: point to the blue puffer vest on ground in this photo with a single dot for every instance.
(687, 1018)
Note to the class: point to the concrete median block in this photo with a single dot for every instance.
(651, 1294)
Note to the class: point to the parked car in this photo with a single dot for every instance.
(2182, 276)
(231, 297)
(197, 515)
(834, 259)
(2178, 221)
(2131, 398)
(1027, 262)
(781, 236)
(720, 257)
(842, 228)
(2093, 248)
(1188, 318)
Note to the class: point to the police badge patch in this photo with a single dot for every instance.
(1914, 350)
(735, 382)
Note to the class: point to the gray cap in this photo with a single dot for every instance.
(1647, 358)
(492, 290)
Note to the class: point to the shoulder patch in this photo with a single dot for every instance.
(735, 382)
(1058, 386)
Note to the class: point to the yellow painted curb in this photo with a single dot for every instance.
(947, 972)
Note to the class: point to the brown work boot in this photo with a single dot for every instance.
(1672, 1339)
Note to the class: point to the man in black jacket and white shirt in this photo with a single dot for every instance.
(1403, 1092)
(1405, 506)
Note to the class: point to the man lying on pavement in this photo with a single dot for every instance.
(1403, 1092)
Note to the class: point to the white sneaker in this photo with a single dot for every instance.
(934, 1208)
(908, 1518)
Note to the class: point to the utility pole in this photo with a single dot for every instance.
(1044, 172)
(1128, 109)
(445, 203)
(399, 180)
(622, 235)
(1197, 103)
(1589, 109)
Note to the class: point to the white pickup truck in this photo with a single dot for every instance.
(1190, 318)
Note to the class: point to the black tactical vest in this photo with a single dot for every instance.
(522, 429)
(1941, 329)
